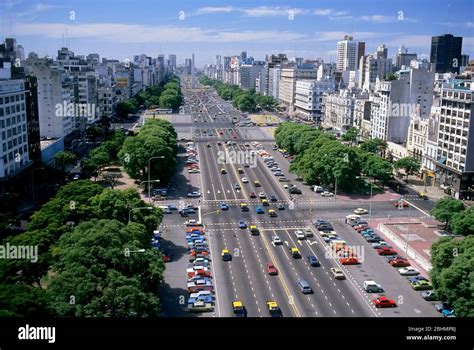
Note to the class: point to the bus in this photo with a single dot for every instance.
(164, 110)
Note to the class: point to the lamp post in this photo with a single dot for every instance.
(138, 208)
(149, 172)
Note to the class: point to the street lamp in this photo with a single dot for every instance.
(149, 172)
(138, 208)
(371, 192)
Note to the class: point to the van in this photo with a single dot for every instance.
(352, 218)
(165, 209)
(372, 287)
(337, 244)
(304, 286)
(318, 189)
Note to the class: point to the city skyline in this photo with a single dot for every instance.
(210, 28)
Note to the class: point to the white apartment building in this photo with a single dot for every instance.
(56, 110)
(339, 110)
(274, 81)
(397, 101)
(362, 107)
(14, 155)
(347, 54)
(456, 138)
(288, 78)
(309, 98)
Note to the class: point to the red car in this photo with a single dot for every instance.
(234, 137)
(386, 251)
(271, 269)
(221, 133)
(253, 195)
(349, 261)
(202, 273)
(399, 262)
(384, 302)
(360, 228)
(166, 257)
(403, 203)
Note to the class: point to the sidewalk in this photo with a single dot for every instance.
(411, 237)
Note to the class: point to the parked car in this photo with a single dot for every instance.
(408, 271)
(428, 295)
(383, 301)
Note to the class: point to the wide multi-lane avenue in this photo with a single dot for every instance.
(229, 172)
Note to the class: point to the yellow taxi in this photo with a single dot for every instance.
(223, 171)
(240, 170)
(239, 309)
(295, 253)
(273, 308)
(257, 183)
(254, 230)
(226, 256)
(244, 207)
(272, 213)
(265, 202)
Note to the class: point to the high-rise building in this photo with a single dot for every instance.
(193, 73)
(288, 77)
(381, 52)
(455, 160)
(187, 65)
(309, 98)
(445, 53)
(14, 156)
(347, 54)
(172, 61)
(404, 58)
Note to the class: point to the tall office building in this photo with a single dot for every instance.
(172, 61)
(193, 73)
(404, 58)
(445, 53)
(347, 54)
(382, 51)
(456, 138)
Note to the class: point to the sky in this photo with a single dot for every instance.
(120, 29)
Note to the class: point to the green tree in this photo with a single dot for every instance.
(378, 168)
(64, 159)
(409, 164)
(445, 209)
(244, 102)
(22, 301)
(463, 222)
(106, 281)
(124, 108)
(376, 146)
(452, 274)
(351, 135)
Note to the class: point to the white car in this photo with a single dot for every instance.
(299, 234)
(308, 232)
(245, 180)
(360, 211)
(381, 244)
(262, 195)
(286, 186)
(194, 194)
(327, 194)
(193, 171)
(408, 271)
(276, 240)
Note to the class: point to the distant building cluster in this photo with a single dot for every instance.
(47, 103)
(421, 107)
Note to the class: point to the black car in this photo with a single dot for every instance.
(273, 198)
(281, 207)
(294, 190)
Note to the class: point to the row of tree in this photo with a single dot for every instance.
(157, 138)
(456, 217)
(244, 100)
(322, 159)
(165, 95)
(83, 269)
(452, 273)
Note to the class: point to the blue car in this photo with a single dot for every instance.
(224, 206)
(417, 279)
(313, 261)
(172, 207)
(368, 230)
(448, 313)
(260, 210)
(242, 224)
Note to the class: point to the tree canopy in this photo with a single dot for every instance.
(446, 208)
